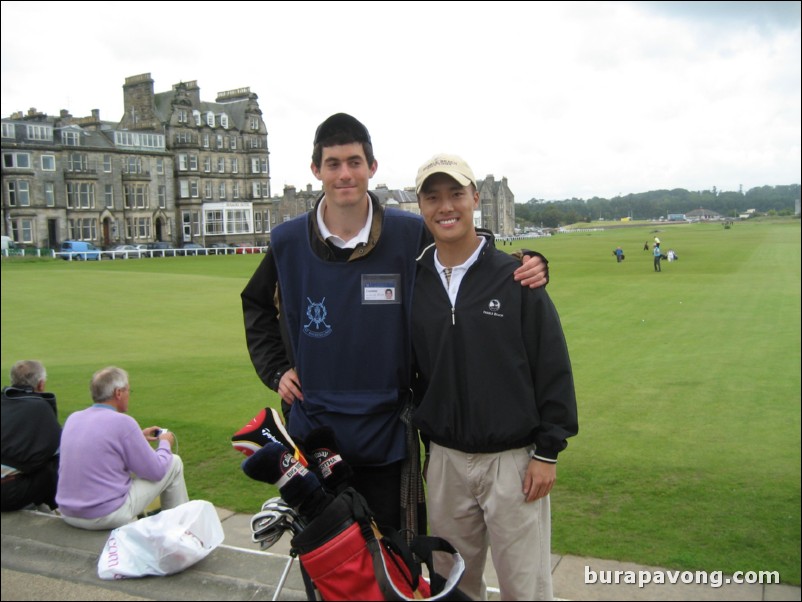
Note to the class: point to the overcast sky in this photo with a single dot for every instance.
(565, 100)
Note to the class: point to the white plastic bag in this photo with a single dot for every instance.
(162, 544)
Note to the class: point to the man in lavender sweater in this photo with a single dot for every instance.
(109, 473)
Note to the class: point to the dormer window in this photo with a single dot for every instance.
(210, 119)
(197, 116)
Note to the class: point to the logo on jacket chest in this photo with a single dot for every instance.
(316, 313)
(493, 309)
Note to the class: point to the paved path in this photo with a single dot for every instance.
(45, 559)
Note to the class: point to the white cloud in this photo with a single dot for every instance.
(563, 99)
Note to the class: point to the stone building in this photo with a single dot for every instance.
(497, 206)
(175, 168)
(221, 158)
(82, 178)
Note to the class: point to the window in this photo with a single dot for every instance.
(210, 119)
(235, 190)
(18, 193)
(225, 218)
(206, 141)
(214, 222)
(132, 165)
(197, 117)
(183, 138)
(135, 196)
(159, 165)
(219, 141)
(107, 163)
(224, 120)
(80, 196)
(141, 227)
(256, 190)
(193, 163)
(234, 166)
(48, 162)
(196, 224)
(70, 138)
(207, 190)
(17, 160)
(26, 230)
(183, 189)
(22, 230)
(77, 162)
(233, 143)
(238, 221)
(207, 164)
(39, 132)
(139, 140)
(108, 195)
(254, 122)
(221, 165)
(183, 162)
(82, 229)
(181, 116)
(9, 131)
(221, 191)
(193, 189)
(162, 193)
(257, 221)
(50, 194)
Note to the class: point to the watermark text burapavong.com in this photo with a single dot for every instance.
(642, 578)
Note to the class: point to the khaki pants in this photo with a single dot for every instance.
(171, 488)
(476, 501)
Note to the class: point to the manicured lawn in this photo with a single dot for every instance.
(688, 381)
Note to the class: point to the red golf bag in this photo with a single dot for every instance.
(345, 557)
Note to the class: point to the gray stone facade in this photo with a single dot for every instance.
(174, 168)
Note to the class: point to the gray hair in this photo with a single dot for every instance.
(106, 381)
(28, 373)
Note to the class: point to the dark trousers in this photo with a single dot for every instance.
(381, 488)
(31, 488)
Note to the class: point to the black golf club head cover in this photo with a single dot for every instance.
(322, 451)
(299, 488)
(263, 428)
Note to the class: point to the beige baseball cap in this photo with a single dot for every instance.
(451, 165)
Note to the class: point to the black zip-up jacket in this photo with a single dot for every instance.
(31, 433)
(493, 374)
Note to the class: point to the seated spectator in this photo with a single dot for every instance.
(109, 473)
(30, 439)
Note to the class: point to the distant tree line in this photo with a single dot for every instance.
(775, 200)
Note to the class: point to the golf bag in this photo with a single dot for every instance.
(345, 557)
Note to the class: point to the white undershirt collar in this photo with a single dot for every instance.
(361, 236)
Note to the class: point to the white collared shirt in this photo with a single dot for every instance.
(457, 272)
(360, 238)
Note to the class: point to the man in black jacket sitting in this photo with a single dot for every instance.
(31, 435)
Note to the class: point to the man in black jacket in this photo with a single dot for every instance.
(496, 390)
(31, 436)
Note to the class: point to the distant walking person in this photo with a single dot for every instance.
(658, 255)
(646, 246)
(619, 254)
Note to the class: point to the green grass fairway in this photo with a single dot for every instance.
(688, 381)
